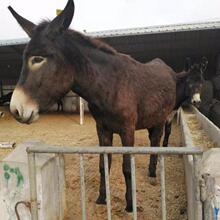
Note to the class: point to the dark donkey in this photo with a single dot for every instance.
(188, 87)
(123, 94)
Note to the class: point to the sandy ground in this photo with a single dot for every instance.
(59, 129)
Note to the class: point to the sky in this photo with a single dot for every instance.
(99, 15)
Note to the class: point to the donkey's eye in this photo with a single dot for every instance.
(35, 62)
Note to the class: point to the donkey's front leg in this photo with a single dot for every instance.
(105, 139)
(127, 138)
(155, 134)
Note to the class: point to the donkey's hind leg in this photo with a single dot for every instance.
(105, 139)
(155, 135)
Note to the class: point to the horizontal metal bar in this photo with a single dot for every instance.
(42, 148)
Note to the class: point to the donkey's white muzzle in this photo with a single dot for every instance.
(22, 107)
(196, 100)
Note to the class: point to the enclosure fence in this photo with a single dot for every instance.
(195, 152)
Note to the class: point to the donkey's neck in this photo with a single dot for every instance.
(94, 81)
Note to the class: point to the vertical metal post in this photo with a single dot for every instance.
(133, 185)
(61, 179)
(107, 186)
(82, 184)
(163, 191)
(33, 186)
(198, 204)
(81, 110)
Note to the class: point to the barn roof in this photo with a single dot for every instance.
(171, 42)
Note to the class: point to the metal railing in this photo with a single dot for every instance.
(196, 152)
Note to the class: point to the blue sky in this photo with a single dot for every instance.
(97, 15)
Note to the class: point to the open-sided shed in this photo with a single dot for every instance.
(172, 43)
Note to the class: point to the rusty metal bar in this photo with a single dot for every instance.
(163, 188)
(33, 185)
(133, 185)
(107, 187)
(82, 187)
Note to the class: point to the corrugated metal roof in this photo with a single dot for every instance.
(157, 29)
(14, 41)
(134, 31)
(173, 44)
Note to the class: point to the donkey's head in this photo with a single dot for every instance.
(195, 80)
(46, 74)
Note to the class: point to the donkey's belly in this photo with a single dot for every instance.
(151, 117)
(150, 121)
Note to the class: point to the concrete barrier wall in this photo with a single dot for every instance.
(209, 169)
(188, 165)
(14, 185)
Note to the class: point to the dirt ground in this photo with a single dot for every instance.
(60, 129)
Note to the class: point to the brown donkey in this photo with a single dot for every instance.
(123, 94)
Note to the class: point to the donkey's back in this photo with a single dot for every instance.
(147, 93)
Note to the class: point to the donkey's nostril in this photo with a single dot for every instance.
(16, 113)
(196, 103)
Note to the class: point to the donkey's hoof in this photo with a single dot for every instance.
(101, 201)
(153, 181)
(129, 208)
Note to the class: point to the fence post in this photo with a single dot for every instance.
(33, 185)
(163, 188)
(82, 184)
(107, 187)
(196, 184)
(133, 179)
(81, 110)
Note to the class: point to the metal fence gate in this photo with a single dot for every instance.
(195, 152)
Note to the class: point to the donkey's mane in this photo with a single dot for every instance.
(92, 42)
(81, 38)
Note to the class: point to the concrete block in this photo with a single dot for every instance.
(211, 175)
(188, 165)
(14, 185)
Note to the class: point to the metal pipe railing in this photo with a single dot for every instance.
(43, 148)
(82, 187)
(107, 187)
(110, 150)
(162, 186)
(133, 185)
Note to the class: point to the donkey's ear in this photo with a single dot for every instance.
(27, 26)
(63, 20)
(187, 64)
(203, 65)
